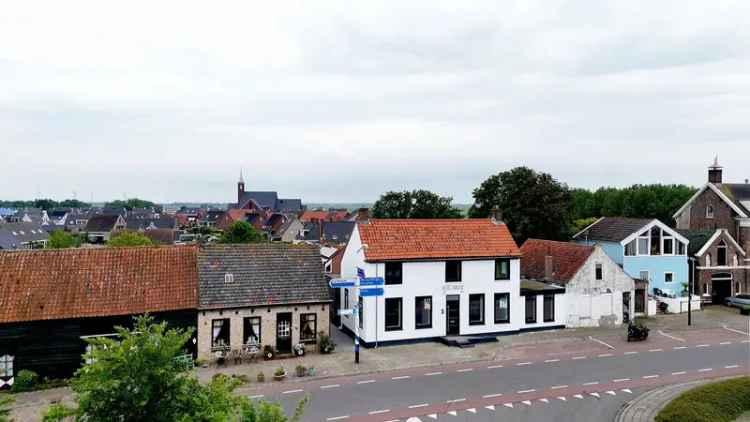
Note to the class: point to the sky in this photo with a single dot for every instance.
(342, 101)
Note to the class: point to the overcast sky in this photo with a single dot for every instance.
(342, 101)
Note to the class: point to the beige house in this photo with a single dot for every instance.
(270, 294)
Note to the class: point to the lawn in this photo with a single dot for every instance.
(723, 401)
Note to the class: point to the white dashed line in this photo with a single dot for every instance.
(561, 398)
(670, 336)
(679, 347)
(591, 383)
(626, 390)
(595, 395)
(578, 396)
(703, 345)
(417, 406)
(705, 369)
(656, 350)
(378, 412)
(630, 353)
(621, 380)
(472, 410)
(292, 391)
(326, 387)
(494, 366)
(679, 373)
(508, 405)
(432, 374)
(492, 396)
(490, 407)
(611, 393)
(609, 346)
(525, 391)
(544, 400)
(551, 360)
(737, 331)
(338, 418)
(366, 382)
(731, 366)
(724, 343)
(456, 400)
(524, 363)
(465, 370)
(558, 387)
(526, 402)
(605, 355)
(578, 357)
(746, 341)
(403, 377)
(650, 377)
(259, 396)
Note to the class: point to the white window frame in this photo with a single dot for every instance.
(6, 365)
(638, 244)
(665, 277)
(710, 211)
(668, 237)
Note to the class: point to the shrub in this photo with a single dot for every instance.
(242, 378)
(279, 372)
(25, 381)
(301, 370)
(325, 344)
(261, 377)
(5, 401)
(57, 412)
(722, 401)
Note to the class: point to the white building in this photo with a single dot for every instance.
(443, 278)
(598, 292)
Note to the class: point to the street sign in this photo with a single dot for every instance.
(373, 291)
(337, 283)
(344, 312)
(360, 273)
(371, 281)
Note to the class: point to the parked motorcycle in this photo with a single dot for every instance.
(637, 332)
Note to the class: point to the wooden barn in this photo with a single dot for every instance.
(51, 300)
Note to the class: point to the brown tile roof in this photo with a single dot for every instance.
(439, 238)
(88, 282)
(308, 216)
(567, 259)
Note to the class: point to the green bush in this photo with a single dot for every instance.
(722, 401)
(261, 377)
(25, 381)
(57, 412)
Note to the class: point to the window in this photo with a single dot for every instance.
(220, 333)
(393, 273)
(251, 330)
(308, 326)
(393, 308)
(643, 243)
(346, 298)
(680, 248)
(645, 276)
(709, 211)
(530, 309)
(705, 289)
(599, 272)
(229, 278)
(6, 366)
(721, 254)
(452, 271)
(502, 308)
(476, 309)
(549, 308)
(668, 247)
(361, 312)
(423, 312)
(630, 248)
(668, 277)
(655, 241)
(502, 269)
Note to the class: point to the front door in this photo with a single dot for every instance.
(453, 314)
(640, 301)
(284, 332)
(720, 290)
(625, 307)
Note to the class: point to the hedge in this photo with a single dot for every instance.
(722, 401)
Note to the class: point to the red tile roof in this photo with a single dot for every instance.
(308, 216)
(441, 238)
(567, 259)
(88, 282)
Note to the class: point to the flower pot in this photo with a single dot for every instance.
(279, 377)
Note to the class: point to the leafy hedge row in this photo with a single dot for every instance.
(723, 401)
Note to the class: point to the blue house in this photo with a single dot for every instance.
(646, 249)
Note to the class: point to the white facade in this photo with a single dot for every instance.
(428, 279)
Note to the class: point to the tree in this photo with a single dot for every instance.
(5, 402)
(59, 239)
(130, 204)
(73, 203)
(418, 203)
(128, 238)
(138, 376)
(532, 204)
(241, 232)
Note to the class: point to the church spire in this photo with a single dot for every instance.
(242, 180)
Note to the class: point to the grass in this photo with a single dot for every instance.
(723, 401)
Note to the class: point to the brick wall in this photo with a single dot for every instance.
(723, 214)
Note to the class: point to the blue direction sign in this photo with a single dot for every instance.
(371, 281)
(374, 291)
(337, 283)
(360, 273)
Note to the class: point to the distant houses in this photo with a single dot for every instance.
(22, 235)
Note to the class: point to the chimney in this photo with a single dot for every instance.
(714, 172)
(497, 215)
(548, 268)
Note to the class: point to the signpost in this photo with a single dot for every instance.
(364, 287)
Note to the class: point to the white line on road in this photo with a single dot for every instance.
(561, 398)
(492, 396)
(731, 366)
(558, 387)
(403, 377)
(431, 374)
(650, 377)
(551, 360)
(679, 347)
(630, 353)
(578, 357)
(736, 331)
(602, 343)
(746, 341)
(679, 373)
(626, 390)
(417, 406)
(490, 407)
(259, 396)
(465, 370)
(508, 405)
(525, 391)
(338, 418)
(524, 363)
(611, 393)
(544, 400)
(526, 402)
(605, 355)
(621, 380)
(724, 343)
(471, 410)
(670, 336)
(378, 412)
(292, 391)
(325, 387)
(456, 400)
(494, 366)
(705, 369)
(366, 382)
(595, 395)
(703, 345)
(656, 350)
(591, 383)
(578, 396)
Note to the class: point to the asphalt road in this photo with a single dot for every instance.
(578, 387)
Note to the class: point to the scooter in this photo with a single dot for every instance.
(637, 332)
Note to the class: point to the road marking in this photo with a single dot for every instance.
(705, 370)
(490, 407)
(292, 391)
(650, 377)
(621, 380)
(378, 412)
(525, 391)
(731, 366)
(544, 400)
(670, 336)
(366, 382)
(508, 405)
(736, 331)
(465, 370)
(430, 374)
(453, 413)
(417, 406)
(595, 395)
(626, 390)
(578, 357)
(591, 383)
(630, 353)
(526, 402)
(551, 360)
(602, 343)
(656, 350)
(492, 396)
(562, 398)
(605, 355)
(557, 387)
(471, 410)
(494, 366)
(259, 396)
(578, 396)
(724, 343)
(325, 387)
(746, 341)
(679, 373)
(703, 345)
(611, 393)
(524, 363)
(679, 347)
(337, 418)
(456, 400)
(403, 377)
(432, 416)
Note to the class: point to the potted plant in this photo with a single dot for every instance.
(325, 344)
(279, 374)
(268, 352)
(261, 377)
(301, 371)
(299, 349)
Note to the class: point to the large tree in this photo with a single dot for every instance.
(59, 239)
(418, 203)
(241, 232)
(130, 204)
(127, 238)
(532, 204)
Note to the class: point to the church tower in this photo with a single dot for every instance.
(240, 190)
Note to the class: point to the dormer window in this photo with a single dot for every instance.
(228, 278)
(709, 211)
